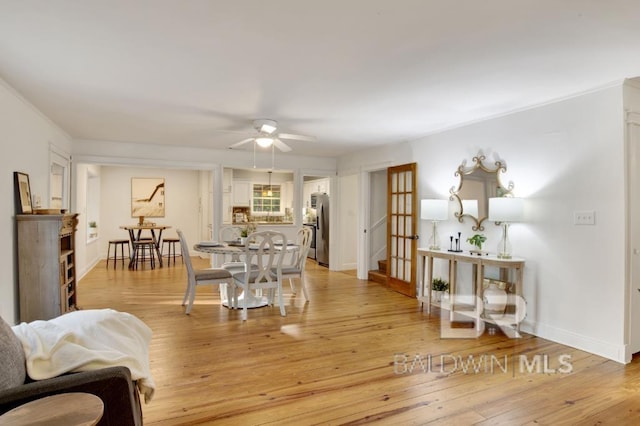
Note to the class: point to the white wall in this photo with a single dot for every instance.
(25, 137)
(182, 202)
(562, 157)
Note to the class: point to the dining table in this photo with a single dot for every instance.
(236, 250)
(135, 233)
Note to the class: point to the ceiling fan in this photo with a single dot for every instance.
(267, 136)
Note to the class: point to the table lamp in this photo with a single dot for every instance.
(505, 210)
(434, 210)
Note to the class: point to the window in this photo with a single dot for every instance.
(266, 198)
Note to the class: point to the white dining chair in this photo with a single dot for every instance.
(263, 270)
(296, 268)
(197, 277)
(228, 234)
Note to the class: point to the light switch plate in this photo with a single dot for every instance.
(584, 217)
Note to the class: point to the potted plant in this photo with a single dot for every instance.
(246, 231)
(93, 229)
(477, 240)
(438, 287)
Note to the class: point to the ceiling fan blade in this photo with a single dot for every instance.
(281, 145)
(296, 137)
(237, 144)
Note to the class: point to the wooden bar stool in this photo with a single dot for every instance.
(115, 257)
(171, 253)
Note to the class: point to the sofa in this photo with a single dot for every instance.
(113, 385)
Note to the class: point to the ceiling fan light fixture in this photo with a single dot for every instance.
(268, 128)
(264, 142)
(265, 126)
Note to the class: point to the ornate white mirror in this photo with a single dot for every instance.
(478, 182)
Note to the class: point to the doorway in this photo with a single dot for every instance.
(633, 140)
(59, 183)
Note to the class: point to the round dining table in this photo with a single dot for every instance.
(236, 250)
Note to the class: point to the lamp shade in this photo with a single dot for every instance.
(434, 209)
(506, 209)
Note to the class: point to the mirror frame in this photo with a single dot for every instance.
(464, 170)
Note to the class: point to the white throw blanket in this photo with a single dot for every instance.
(88, 340)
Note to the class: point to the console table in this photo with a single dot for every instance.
(479, 264)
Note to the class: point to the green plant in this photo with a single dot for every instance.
(248, 230)
(93, 225)
(477, 240)
(438, 284)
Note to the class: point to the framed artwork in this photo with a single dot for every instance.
(22, 193)
(147, 197)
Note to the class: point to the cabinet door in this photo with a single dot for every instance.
(286, 195)
(227, 180)
(242, 193)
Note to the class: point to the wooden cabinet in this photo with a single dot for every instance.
(46, 265)
(242, 193)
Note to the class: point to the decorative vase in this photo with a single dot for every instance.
(495, 300)
(243, 240)
(436, 296)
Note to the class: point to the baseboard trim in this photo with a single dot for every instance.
(601, 348)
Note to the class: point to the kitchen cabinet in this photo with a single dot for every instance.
(321, 185)
(241, 193)
(46, 265)
(313, 186)
(286, 195)
(227, 180)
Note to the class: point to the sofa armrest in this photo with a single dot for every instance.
(112, 385)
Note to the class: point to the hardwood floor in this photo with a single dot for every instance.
(337, 359)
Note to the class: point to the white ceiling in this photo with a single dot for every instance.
(353, 73)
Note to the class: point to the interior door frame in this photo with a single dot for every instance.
(364, 218)
(632, 327)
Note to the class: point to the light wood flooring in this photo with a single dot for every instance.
(336, 360)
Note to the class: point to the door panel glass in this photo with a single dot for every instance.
(401, 224)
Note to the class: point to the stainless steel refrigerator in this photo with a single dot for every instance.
(322, 228)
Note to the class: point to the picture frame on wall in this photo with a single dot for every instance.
(147, 197)
(22, 193)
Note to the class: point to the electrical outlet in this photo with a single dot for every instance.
(585, 217)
